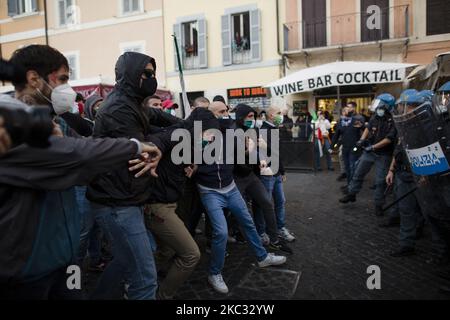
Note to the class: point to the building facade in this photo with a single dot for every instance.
(317, 32)
(91, 34)
(227, 47)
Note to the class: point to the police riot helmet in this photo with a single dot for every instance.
(441, 101)
(384, 101)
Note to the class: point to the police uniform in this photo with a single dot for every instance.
(379, 129)
(410, 215)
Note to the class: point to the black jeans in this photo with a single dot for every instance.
(51, 287)
(252, 187)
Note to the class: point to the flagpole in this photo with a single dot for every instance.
(186, 105)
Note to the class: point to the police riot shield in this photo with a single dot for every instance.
(424, 136)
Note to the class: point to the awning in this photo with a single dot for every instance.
(345, 73)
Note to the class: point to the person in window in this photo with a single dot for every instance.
(238, 41)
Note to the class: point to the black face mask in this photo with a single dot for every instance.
(148, 87)
(226, 124)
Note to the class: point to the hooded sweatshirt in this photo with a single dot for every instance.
(122, 115)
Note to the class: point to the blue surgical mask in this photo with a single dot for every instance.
(381, 112)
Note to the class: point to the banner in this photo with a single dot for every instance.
(339, 79)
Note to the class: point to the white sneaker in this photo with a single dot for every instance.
(216, 281)
(272, 260)
(265, 239)
(286, 235)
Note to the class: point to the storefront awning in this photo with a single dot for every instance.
(335, 74)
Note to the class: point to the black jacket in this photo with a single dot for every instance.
(122, 115)
(217, 176)
(347, 136)
(243, 170)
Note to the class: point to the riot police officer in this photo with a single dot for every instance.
(411, 219)
(378, 142)
(425, 134)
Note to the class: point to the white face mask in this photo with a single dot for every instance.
(259, 123)
(63, 98)
(173, 112)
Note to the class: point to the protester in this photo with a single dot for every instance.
(273, 181)
(118, 197)
(248, 183)
(217, 192)
(201, 102)
(170, 107)
(153, 102)
(347, 133)
(45, 242)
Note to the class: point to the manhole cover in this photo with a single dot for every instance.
(266, 284)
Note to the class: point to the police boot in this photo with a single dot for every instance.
(351, 197)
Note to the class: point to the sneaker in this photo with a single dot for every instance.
(216, 281)
(281, 245)
(272, 260)
(265, 239)
(286, 235)
(348, 198)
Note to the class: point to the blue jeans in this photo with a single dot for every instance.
(132, 250)
(326, 146)
(89, 241)
(350, 159)
(214, 203)
(274, 186)
(365, 163)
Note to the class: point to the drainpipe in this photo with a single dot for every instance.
(46, 22)
(283, 56)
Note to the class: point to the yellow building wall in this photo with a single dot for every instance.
(213, 10)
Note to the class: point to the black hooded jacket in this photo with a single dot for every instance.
(122, 115)
(243, 170)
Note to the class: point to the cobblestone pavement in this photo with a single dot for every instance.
(335, 245)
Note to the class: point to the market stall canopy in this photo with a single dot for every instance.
(345, 73)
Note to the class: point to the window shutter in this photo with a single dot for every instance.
(61, 12)
(202, 47)
(255, 34)
(177, 33)
(226, 40)
(12, 8)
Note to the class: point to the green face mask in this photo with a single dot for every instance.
(249, 124)
(204, 143)
(278, 120)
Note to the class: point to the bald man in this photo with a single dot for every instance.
(201, 102)
(274, 183)
(219, 109)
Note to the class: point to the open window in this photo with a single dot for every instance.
(21, 7)
(191, 38)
